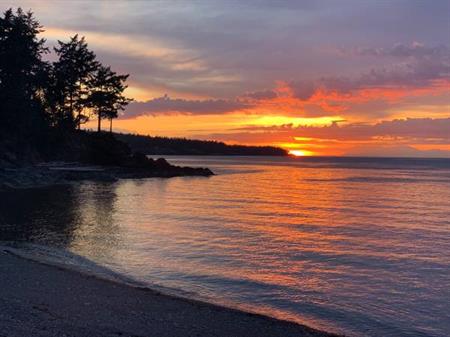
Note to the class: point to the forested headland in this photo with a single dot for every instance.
(43, 105)
(182, 146)
(47, 94)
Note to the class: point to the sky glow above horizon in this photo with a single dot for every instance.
(318, 77)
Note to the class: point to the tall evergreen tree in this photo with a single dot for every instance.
(38, 98)
(21, 73)
(106, 94)
(53, 99)
(72, 73)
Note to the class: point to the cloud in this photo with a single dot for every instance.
(419, 71)
(414, 128)
(166, 105)
(261, 95)
(184, 51)
(412, 137)
(425, 130)
(374, 94)
(282, 40)
(304, 90)
(424, 66)
(415, 49)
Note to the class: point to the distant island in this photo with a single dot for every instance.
(181, 146)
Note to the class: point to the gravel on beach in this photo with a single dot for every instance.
(38, 299)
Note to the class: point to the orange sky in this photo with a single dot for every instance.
(286, 111)
(351, 78)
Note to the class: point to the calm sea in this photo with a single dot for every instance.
(360, 246)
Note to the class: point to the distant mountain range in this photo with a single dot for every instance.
(182, 146)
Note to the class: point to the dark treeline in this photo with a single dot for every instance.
(182, 146)
(43, 103)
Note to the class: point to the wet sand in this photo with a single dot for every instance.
(37, 299)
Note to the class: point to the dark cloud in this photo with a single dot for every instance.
(261, 95)
(424, 65)
(414, 128)
(166, 105)
(415, 49)
(304, 89)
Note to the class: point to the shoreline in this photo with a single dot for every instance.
(63, 173)
(40, 298)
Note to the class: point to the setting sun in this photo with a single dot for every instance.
(300, 153)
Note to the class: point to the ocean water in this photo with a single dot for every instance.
(353, 245)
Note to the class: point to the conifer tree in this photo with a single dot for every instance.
(72, 72)
(106, 94)
(21, 72)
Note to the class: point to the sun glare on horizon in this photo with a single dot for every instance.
(300, 153)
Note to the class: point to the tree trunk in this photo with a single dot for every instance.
(99, 129)
(79, 112)
(72, 117)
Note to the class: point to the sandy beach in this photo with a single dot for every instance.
(37, 299)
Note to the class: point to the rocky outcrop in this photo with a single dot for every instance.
(82, 156)
(53, 173)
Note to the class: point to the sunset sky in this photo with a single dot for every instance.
(317, 77)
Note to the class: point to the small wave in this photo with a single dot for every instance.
(368, 179)
(65, 259)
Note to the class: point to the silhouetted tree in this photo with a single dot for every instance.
(22, 73)
(53, 101)
(39, 99)
(72, 72)
(106, 94)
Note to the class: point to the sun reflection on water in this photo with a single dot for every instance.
(331, 247)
